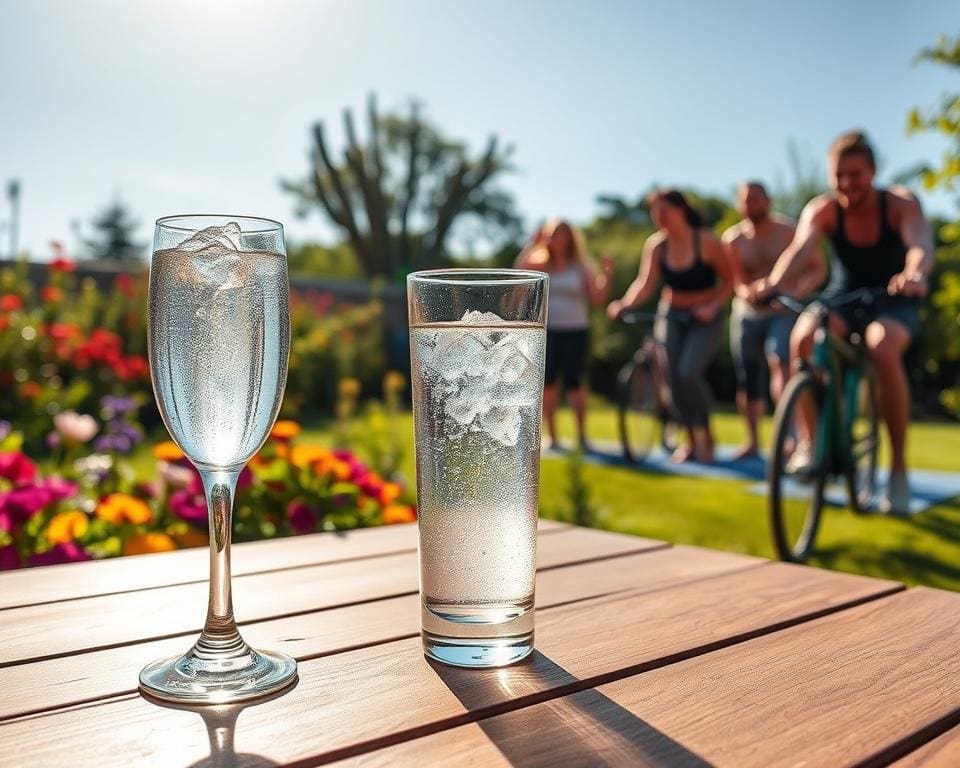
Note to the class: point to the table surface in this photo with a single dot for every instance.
(647, 654)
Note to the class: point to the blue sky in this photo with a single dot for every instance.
(203, 105)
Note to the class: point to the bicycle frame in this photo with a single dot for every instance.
(838, 365)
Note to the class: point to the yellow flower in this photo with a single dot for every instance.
(348, 387)
(67, 526)
(167, 451)
(285, 430)
(304, 455)
(394, 381)
(122, 508)
(148, 542)
(398, 513)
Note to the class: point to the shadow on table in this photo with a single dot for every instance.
(581, 729)
(221, 723)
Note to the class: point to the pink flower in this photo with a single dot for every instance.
(302, 518)
(9, 558)
(57, 489)
(245, 480)
(189, 506)
(20, 504)
(75, 427)
(176, 475)
(68, 552)
(17, 468)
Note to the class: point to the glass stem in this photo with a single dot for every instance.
(220, 637)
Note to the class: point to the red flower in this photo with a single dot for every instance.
(302, 518)
(51, 294)
(10, 302)
(9, 559)
(17, 468)
(131, 368)
(63, 331)
(30, 389)
(125, 284)
(60, 264)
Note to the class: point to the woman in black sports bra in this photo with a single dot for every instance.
(692, 265)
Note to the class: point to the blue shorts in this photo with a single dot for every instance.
(755, 337)
(904, 311)
(565, 355)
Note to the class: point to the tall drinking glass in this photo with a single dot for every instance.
(477, 348)
(219, 339)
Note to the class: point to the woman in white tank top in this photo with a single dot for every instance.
(575, 284)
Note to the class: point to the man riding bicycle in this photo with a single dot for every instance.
(879, 239)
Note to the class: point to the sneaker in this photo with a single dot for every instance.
(800, 461)
(897, 499)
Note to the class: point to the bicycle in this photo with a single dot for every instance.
(838, 383)
(644, 408)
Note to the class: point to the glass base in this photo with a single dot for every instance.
(477, 652)
(197, 680)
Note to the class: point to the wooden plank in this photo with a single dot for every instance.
(371, 697)
(36, 632)
(55, 683)
(856, 688)
(32, 586)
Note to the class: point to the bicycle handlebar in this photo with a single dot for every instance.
(635, 318)
(859, 296)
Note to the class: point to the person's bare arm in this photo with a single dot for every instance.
(731, 245)
(797, 256)
(597, 282)
(642, 288)
(916, 235)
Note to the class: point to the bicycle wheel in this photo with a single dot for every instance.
(864, 443)
(638, 410)
(795, 499)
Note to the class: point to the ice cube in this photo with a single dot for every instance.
(218, 266)
(502, 425)
(451, 359)
(227, 236)
(472, 399)
(473, 317)
(515, 366)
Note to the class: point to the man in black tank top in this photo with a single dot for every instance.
(880, 239)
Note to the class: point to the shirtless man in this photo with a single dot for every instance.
(760, 335)
(880, 240)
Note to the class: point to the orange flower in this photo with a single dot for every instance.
(67, 526)
(305, 455)
(30, 389)
(148, 542)
(122, 508)
(398, 513)
(285, 430)
(190, 537)
(167, 451)
(389, 493)
(340, 469)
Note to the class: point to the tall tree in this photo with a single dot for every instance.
(398, 197)
(941, 342)
(113, 238)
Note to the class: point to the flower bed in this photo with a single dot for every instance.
(65, 344)
(91, 504)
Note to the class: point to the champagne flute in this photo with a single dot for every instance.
(219, 340)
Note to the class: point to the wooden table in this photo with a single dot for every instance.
(647, 654)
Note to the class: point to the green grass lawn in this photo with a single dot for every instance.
(720, 514)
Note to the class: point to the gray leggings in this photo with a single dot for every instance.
(689, 346)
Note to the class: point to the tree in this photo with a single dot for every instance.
(399, 197)
(113, 235)
(941, 343)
